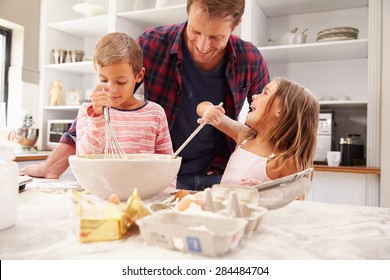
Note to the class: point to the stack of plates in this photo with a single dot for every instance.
(337, 33)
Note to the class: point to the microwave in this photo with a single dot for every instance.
(55, 129)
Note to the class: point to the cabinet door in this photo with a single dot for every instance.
(337, 187)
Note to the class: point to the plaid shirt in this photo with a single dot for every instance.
(246, 73)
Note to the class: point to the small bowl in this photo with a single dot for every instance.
(76, 55)
(88, 9)
(149, 173)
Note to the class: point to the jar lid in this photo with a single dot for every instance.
(7, 150)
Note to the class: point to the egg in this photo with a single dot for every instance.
(202, 107)
(114, 199)
(181, 193)
(186, 201)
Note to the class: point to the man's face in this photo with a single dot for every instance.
(206, 39)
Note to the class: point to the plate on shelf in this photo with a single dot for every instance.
(337, 34)
(335, 38)
(338, 30)
(88, 9)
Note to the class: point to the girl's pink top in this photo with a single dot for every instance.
(245, 165)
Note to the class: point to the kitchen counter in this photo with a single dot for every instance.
(39, 155)
(348, 169)
(42, 155)
(46, 229)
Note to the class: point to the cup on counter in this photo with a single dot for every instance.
(333, 158)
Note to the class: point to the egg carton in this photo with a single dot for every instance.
(203, 234)
(235, 202)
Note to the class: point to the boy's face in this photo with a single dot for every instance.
(259, 103)
(120, 82)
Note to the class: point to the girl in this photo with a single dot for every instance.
(279, 137)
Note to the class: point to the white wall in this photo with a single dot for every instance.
(22, 16)
(25, 13)
(385, 126)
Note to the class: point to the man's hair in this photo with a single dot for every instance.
(118, 47)
(221, 9)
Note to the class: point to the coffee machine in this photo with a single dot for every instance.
(325, 136)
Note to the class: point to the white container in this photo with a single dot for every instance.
(9, 185)
(203, 234)
(290, 38)
(333, 158)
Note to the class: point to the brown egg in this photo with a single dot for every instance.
(202, 107)
(114, 199)
(185, 202)
(181, 193)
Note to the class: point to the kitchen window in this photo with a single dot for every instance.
(5, 58)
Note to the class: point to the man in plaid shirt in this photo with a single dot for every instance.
(186, 64)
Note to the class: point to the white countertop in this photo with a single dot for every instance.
(46, 229)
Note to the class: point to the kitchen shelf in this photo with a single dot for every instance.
(84, 27)
(286, 7)
(341, 104)
(153, 17)
(348, 49)
(348, 169)
(83, 67)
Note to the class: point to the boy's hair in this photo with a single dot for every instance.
(118, 47)
(222, 9)
(294, 134)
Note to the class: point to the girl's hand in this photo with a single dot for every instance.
(249, 182)
(100, 97)
(210, 113)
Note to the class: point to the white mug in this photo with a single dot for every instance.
(333, 158)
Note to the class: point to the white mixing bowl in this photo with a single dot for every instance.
(149, 173)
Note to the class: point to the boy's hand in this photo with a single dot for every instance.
(210, 113)
(100, 97)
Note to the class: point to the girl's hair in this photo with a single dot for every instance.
(294, 134)
(118, 47)
(221, 9)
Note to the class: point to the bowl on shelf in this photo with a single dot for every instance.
(88, 9)
(149, 173)
(76, 55)
(290, 38)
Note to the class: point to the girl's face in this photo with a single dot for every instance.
(259, 102)
(206, 39)
(120, 82)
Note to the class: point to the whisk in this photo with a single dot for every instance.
(112, 149)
